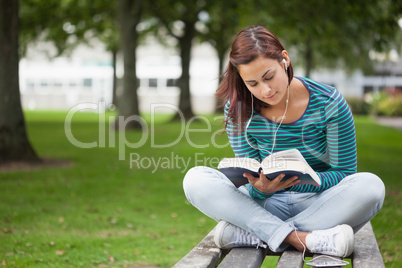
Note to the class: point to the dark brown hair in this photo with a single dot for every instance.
(248, 45)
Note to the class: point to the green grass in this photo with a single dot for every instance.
(102, 212)
(379, 151)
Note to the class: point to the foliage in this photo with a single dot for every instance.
(347, 30)
(37, 25)
(359, 106)
(385, 104)
(336, 33)
(99, 212)
(223, 20)
(66, 23)
(373, 98)
(391, 106)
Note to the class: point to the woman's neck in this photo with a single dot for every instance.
(297, 104)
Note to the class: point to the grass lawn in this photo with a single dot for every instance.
(114, 208)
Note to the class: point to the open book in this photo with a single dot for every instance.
(289, 162)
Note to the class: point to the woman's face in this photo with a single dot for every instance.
(266, 79)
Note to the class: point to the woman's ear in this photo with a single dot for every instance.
(286, 58)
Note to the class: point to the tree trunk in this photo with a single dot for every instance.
(129, 13)
(185, 43)
(14, 143)
(114, 84)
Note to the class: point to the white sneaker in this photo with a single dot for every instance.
(229, 236)
(338, 241)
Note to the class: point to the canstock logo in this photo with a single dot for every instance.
(148, 133)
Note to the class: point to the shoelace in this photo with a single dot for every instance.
(245, 238)
(322, 244)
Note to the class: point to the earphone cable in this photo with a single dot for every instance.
(276, 131)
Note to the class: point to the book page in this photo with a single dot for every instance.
(288, 160)
(287, 154)
(280, 163)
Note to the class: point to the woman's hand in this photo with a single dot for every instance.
(264, 185)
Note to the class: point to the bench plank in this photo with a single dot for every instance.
(244, 257)
(290, 258)
(205, 255)
(366, 253)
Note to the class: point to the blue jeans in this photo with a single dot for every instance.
(354, 201)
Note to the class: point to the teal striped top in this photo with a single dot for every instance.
(324, 134)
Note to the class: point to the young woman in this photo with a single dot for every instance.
(268, 110)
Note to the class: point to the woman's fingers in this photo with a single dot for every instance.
(287, 183)
(269, 186)
(292, 181)
(251, 178)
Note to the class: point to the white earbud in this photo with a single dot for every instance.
(286, 65)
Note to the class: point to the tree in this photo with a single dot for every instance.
(97, 21)
(68, 26)
(224, 20)
(14, 143)
(73, 22)
(336, 33)
(36, 24)
(179, 19)
(110, 37)
(76, 22)
(223, 23)
(129, 16)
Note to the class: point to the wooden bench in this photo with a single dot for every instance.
(206, 255)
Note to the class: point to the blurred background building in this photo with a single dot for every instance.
(86, 75)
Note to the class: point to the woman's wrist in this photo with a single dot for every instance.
(257, 193)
